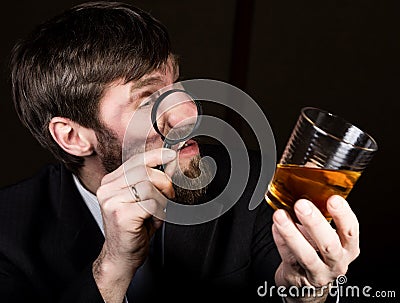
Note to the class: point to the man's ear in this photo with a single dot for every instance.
(72, 137)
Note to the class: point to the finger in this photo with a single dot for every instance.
(319, 229)
(135, 175)
(151, 208)
(151, 158)
(142, 212)
(152, 224)
(170, 168)
(113, 187)
(307, 236)
(301, 249)
(347, 226)
(157, 223)
(161, 181)
(142, 173)
(123, 213)
(284, 251)
(150, 227)
(146, 191)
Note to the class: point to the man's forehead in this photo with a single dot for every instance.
(160, 75)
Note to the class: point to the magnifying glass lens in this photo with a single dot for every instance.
(176, 117)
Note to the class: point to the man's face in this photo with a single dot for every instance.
(127, 123)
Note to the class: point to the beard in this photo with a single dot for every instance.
(192, 182)
(191, 192)
(109, 149)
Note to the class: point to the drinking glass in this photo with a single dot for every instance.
(325, 155)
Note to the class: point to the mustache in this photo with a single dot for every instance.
(179, 133)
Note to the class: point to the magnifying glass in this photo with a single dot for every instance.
(175, 116)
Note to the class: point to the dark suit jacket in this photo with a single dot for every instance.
(49, 240)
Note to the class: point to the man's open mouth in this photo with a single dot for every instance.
(188, 147)
(185, 144)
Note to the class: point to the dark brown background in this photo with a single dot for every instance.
(339, 55)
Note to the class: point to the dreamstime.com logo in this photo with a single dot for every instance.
(337, 290)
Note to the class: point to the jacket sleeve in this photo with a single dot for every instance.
(265, 256)
(16, 287)
(83, 289)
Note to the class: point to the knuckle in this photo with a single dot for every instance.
(147, 187)
(104, 191)
(107, 206)
(158, 207)
(153, 205)
(150, 206)
(353, 231)
(118, 217)
(332, 247)
(101, 191)
(106, 179)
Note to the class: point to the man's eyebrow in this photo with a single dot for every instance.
(146, 82)
(157, 79)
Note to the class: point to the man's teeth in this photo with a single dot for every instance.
(182, 145)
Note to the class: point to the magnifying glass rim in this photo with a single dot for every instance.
(154, 115)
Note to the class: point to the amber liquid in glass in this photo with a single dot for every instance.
(293, 182)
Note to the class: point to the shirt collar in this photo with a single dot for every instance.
(91, 202)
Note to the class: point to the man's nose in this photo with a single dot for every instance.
(181, 114)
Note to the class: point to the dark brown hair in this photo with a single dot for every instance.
(63, 66)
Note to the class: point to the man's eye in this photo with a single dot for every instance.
(151, 100)
(145, 104)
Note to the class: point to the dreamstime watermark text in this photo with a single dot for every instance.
(336, 289)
